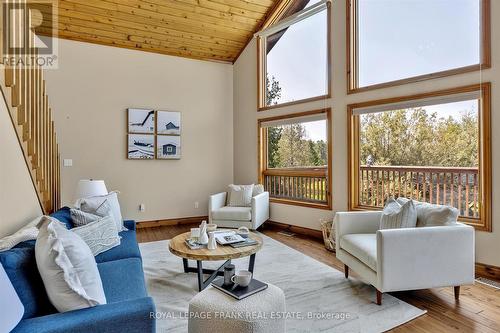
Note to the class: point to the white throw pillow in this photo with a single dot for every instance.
(67, 267)
(100, 235)
(94, 205)
(431, 215)
(395, 216)
(257, 189)
(240, 195)
(28, 232)
(79, 217)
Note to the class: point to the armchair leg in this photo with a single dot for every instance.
(456, 289)
(346, 271)
(379, 297)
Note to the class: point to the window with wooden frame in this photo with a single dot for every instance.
(393, 42)
(294, 55)
(433, 147)
(295, 158)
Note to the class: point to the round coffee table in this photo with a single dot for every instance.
(177, 246)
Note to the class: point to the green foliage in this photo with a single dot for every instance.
(289, 147)
(273, 137)
(415, 138)
(273, 90)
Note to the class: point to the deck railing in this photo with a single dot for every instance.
(457, 187)
(298, 184)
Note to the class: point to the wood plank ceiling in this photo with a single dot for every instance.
(202, 29)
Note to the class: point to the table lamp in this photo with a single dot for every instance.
(87, 188)
(11, 308)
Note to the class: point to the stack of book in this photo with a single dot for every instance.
(237, 291)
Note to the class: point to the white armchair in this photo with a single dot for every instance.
(235, 217)
(407, 258)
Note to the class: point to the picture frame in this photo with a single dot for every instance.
(168, 147)
(168, 122)
(141, 146)
(141, 121)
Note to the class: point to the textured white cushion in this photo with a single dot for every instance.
(28, 232)
(94, 205)
(240, 195)
(396, 216)
(67, 267)
(431, 215)
(100, 235)
(362, 246)
(79, 217)
(257, 189)
(213, 311)
(233, 213)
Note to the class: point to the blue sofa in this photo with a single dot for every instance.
(128, 307)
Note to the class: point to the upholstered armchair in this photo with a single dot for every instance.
(234, 217)
(404, 259)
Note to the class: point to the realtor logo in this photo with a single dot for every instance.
(29, 33)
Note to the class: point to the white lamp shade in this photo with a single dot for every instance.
(11, 308)
(87, 188)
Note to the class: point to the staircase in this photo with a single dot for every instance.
(25, 94)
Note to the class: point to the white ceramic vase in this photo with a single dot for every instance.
(203, 233)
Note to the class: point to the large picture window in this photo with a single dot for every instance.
(393, 42)
(294, 158)
(294, 56)
(432, 147)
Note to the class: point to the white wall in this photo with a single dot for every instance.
(18, 201)
(90, 93)
(246, 115)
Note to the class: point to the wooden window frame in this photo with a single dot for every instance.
(262, 157)
(485, 163)
(262, 62)
(352, 52)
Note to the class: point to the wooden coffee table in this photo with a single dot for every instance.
(178, 247)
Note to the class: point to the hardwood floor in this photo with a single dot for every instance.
(477, 310)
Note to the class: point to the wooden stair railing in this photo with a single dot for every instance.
(25, 94)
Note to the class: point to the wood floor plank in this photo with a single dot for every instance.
(478, 309)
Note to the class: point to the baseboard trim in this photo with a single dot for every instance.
(296, 229)
(174, 221)
(488, 271)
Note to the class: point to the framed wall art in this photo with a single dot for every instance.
(141, 121)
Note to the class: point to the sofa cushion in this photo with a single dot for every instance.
(362, 246)
(396, 216)
(128, 248)
(67, 267)
(431, 215)
(122, 279)
(100, 235)
(233, 213)
(20, 265)
(64, 216)
(240, 195)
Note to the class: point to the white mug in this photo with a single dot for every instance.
(242, 278)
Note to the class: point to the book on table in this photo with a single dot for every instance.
(226, 238)
(237, 291)
(245, 242)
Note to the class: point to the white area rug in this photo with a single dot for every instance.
(310, 287)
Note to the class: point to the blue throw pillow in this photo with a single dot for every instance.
(64, 216)
(20, 265)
